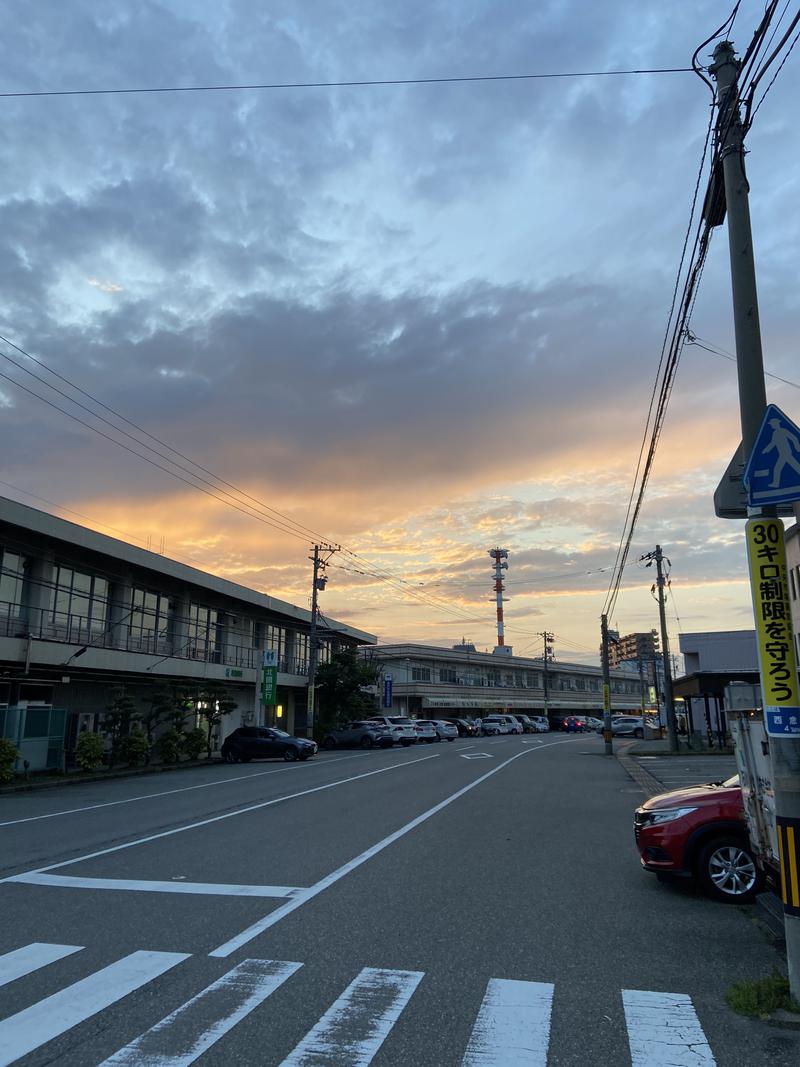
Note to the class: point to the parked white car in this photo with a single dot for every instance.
(425, 730)
(541, 723)
(495, 724)
(400, 727)
(445, 731)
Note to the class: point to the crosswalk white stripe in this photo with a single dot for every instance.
(171, 1042)
(355, 1026)
(53, 1016)
(22, 961)
(513, 1025)
(664, 1031)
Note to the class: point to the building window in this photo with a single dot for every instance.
(78, 601)
(276, 640)
(12, 569)
(580, 683)
(204, 632)
(447, 674)
(420, 674)
(301, 653)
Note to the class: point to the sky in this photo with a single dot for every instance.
(418, 320)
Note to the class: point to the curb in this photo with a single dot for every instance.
(649, 785)
(106, 776)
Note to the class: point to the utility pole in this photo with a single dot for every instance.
(319, 582)
(669, 702)
(608, 737)
(784, 751)
(548, 652)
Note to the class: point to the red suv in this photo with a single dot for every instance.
(700, 832)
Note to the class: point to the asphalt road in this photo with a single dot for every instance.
(474, 903)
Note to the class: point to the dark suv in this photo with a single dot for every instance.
(700, 832)
(264, 742)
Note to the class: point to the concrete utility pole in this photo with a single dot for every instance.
(669, 702)
(318, 583)
(607, 735)
(784, 752)
(548, 651)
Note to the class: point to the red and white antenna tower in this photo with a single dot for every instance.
(500, 555)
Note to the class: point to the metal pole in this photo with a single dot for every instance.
(607, 735)
(784, 752)
(669, 703)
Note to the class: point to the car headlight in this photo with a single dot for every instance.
(657, 816)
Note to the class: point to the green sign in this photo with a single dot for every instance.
(269, 685)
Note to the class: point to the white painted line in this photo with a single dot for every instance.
(49, 1018)
(355, 1026)
(275, 916)
(664, 1031)
(218, 818)
(476, 755)
(513, 1025)
(22, 961)
(211, 1014)
(183, 789)
(211, 889)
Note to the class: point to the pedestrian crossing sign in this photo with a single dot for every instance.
(772, 473)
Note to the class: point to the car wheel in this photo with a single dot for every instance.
(438, 738)
(243, 759)
(638, 732)
(304, 756)
(449, 739)
(727, 870)
(290, 754)
(329, 743)
(366, 741)
(230, 756)
(405, 744)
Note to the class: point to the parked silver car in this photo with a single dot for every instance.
(425, 730)
(445, 731)
(363, 733)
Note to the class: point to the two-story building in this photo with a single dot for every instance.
(429, 682)
(84, 616)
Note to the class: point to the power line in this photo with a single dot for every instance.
(355, 83)
(693, 339)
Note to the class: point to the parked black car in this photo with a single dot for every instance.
(262, 742)
(465, 727)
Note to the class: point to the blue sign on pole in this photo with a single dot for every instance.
(387, 690)
(782, 722)
(772, 473)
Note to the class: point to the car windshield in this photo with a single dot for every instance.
(280, 733)
(399, 721)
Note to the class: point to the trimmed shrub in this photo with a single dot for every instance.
(194, 743)
(8, 756)
(135, 748)
(89, 751)
(169, 746)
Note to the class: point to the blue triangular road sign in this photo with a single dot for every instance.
(772, 473)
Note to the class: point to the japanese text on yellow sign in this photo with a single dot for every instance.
(769, 581)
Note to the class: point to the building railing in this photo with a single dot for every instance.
(70, 629)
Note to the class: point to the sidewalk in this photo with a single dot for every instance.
(656, 770)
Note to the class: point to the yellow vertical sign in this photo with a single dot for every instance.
(766, 554)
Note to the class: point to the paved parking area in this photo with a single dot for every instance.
(676, 771)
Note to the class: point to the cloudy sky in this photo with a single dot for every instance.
(419, 320)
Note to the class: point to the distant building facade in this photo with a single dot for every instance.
(640, 647)
(431, 682)
(83, 616)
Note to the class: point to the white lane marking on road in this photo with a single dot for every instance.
(183, 789)
(218, 818)
(303, 896)
(49, 1018)
(212, 889)
(664, 1031)
(513, 1025)
(476, 755)
(211, 1014)
(355, 1026)
(22, 961)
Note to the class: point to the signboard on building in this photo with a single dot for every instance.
(269, 677)
(766, 555)
(387, 690)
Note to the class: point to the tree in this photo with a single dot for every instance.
(117, 721)
(342, 690)
(213, 703)
(159, 707)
